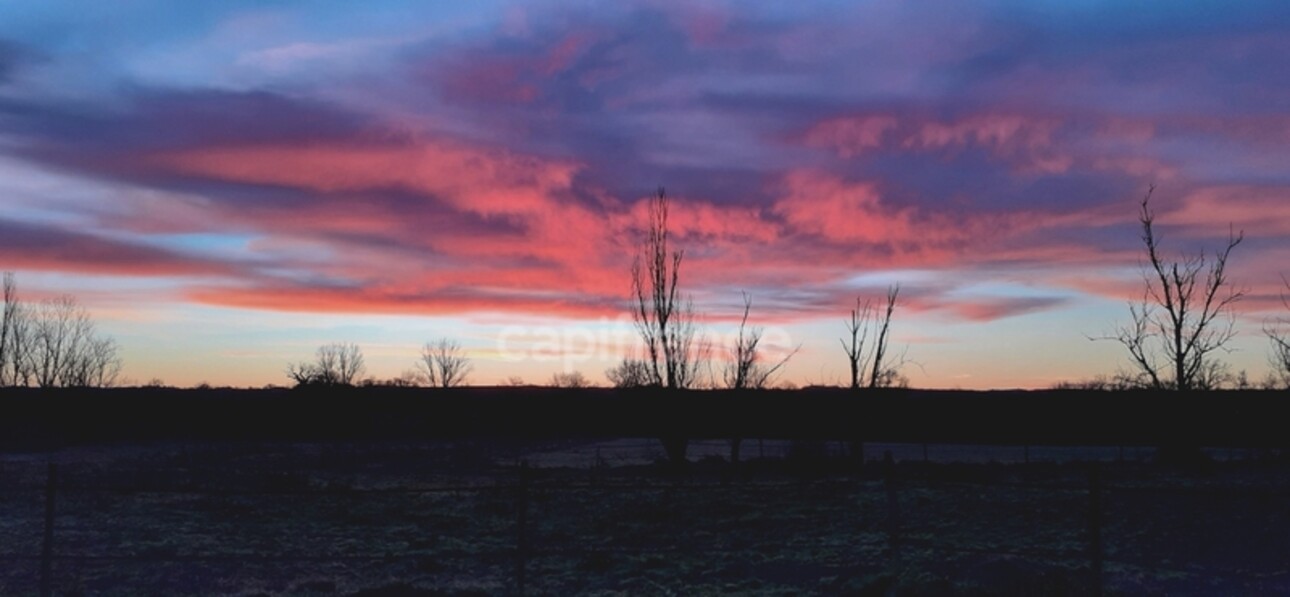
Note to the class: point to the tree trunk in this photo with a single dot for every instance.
(674, 448)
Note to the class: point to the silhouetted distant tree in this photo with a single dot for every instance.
(630, 373)
(444, 363)
(339, 364)
(1100, 383)
(1184, 316)
(573, 379)
(409, 378)
(54, 343)
(304, 374)
(875, 361)
(1279, 359)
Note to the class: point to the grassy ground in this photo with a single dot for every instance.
(443, 519)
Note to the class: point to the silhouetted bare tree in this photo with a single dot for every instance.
(303, 374)
(444, 363)
(876, 360)
(342, 362)
(21, 365)
(746, 369)
(94, 365)
(8, 321)
(338, 364)
(409, 378)
(630, 373)
(858, 331)
(65, 350)
(666, 322)
(1278, 332)
(573, 379)
(884, 374)
(53, 344)
(1184, 316)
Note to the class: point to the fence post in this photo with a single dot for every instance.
(47, 550)
(1095, 525)
(893, 505)
(521, 532)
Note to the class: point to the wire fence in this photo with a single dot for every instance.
(522, 529)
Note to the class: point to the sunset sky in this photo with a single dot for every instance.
(227, 185)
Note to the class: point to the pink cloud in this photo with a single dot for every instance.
(1259, 210)
(482, 182)
(34, 247)
(847, 213)
(536, 246)
(1000, 308)
(820, 204)
(851, 136)
(377, 300)
(1025, 141)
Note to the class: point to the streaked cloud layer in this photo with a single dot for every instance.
(490, 159)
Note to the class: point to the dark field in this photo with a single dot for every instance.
(460, 518)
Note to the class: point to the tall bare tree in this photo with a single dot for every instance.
(666, 322)
(1185, 314)
(8, 320)
(674, 352)
(20, 366)
(444, 363)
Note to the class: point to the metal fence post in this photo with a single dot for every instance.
(521, 532)
(1095, 525)
(47, 550)
(893, 505)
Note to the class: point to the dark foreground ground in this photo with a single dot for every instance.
(459, 517)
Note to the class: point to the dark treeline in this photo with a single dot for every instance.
(44, 418)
